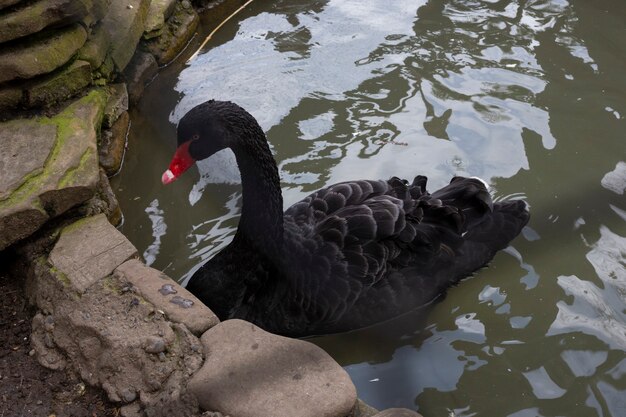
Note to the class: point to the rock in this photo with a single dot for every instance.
(10, 98)
(160, 11)
(141, 70)
(40, 14)
(249, 372)
(125, 22)
(101, 336)
(51, 166)
(40, 55)
(104, 202)
(113, 145)
(398, 412)
(59, 85)
(180, 28)
(116, 104)
(89, 250)
(97, 46)
(164, 293)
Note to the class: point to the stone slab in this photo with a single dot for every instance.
(59, 85)
(116, 104)
(125, 22)
(68, 176)
(180, 28)
(113, 145)
(160, 11)
(140, 71)
(22, 138)
(89, 250)
(249, 372)
(97, 46)
(23, 60)
(40, 14)
(167, 295)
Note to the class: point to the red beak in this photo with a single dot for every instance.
(180, 163)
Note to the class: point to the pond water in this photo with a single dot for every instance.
(529, 95)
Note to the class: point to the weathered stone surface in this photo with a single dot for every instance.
(66, 143)
(95, 49)
(180, 28)
(40, 14)
(23, 138)
(59, 85)
(125, 22)
(41, 55)
(103, 334)
(397, 412)
(141, 70)
(160, 11)
(103, 202)
(113, 145)
(249, 372)
(89, 250)
(116, 104)
(176, 302)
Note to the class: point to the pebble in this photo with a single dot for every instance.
(128, 395)
(155, 344)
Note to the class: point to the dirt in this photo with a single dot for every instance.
(27, 388)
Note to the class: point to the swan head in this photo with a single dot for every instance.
(203, 131)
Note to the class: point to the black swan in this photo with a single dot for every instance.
(349, 255)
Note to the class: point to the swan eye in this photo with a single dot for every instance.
(195, 137)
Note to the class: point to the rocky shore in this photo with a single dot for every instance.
(69, 70)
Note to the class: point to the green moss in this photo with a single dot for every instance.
(67, 123)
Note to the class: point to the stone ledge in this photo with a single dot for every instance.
(41, 56)
(89, 250)
(176, 302)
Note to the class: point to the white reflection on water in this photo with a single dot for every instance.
(597, 310)
(159, 229)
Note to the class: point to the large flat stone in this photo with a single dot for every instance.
(40, 14)
(34, 57)
(89, 250)
(176, 302)
(59, 85)
(52, 167)
(125, 23)
(249, 372)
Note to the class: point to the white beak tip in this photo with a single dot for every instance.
(167, 177)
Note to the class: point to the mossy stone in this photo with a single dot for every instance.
(40, 14)
(42, 55)
(59, 85)
(64, 175)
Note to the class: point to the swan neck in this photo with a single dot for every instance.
(261, 222)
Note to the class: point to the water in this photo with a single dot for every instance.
(530, 95)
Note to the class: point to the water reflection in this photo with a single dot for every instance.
(529, 95)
